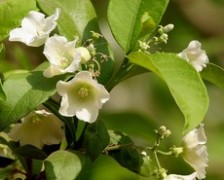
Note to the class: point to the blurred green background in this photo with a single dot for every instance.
(140, 104)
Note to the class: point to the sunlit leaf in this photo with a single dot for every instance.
(183, 81)
(130, 19)
(24, 91)
(63, 165)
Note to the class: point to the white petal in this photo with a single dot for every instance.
(35, 29)
(88, 114)
(32, 22)
(181, 177)
(53, 49)
(50, 22)
(52, 71)
(20, 35)
(38, 128)
(195, 150)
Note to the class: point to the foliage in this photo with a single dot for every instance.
(130, 139)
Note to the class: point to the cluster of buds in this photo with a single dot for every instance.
(163, 132)
(161, 36)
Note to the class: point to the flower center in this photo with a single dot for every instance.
(83, 92)
(64, 62)
(36, 120)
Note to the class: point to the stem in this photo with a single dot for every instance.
(157, 159)
(165, 153)
(115, 147)
(120, 74)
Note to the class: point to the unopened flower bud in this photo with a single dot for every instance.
(164, 37)
(92, 49)
(85, 55)
(168, 28)
(163, 132)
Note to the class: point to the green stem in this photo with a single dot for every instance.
(120, 74)
(157, 159)
(165, 153)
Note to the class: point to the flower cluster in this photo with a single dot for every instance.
(82, 95)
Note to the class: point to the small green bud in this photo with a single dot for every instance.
(96, 35)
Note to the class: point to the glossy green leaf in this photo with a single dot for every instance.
(131, 19)
(127, 155)
(63, 165)
(25, 91)
(183, 81)
(11, 15)
(96, 138)
(214, 74)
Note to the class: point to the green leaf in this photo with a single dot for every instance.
(2, 51)
(5, 172)
(96, 138)
(144, 126)
(25, 91)
(127, 155)
(183, 81)
(11, 15)
(214, 74)
(131, 19)
(2, 93)
(31, 158)
(63, 165)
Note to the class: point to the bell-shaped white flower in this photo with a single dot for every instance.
(195, 55)
(38, 128)
(195, 150)
(63, 56)
(82, 96)
(181, 177)
(35, 28)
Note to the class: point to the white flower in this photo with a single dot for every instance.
(195, 55)
(82, 96)
(63, 56)
(195, 150)
(181, 177)
(38, 128)
(35, 28)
